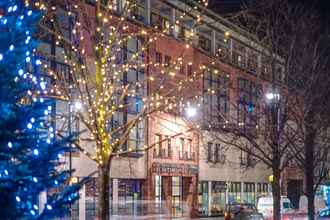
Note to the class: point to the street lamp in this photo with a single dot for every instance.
(273, 97)
(191, 112)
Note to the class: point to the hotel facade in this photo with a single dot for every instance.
(188, 168)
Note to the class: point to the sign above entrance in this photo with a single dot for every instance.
(183, 169)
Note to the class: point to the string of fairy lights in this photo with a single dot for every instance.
(102, 92)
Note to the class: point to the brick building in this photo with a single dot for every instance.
(188, 166)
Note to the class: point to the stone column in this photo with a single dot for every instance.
(115, 198)
(42, 201)
(210, 196)
(147, 7)
(213, 43)
(82, 203)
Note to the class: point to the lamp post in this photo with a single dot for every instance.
(273, 101)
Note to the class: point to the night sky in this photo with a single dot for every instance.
(230, 6)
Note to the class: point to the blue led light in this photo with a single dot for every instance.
(36, 152)
(29, 125)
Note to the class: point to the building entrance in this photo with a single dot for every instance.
(172, 191)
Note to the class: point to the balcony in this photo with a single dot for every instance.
(187, 155)
(162, 153)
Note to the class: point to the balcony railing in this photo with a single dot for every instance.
(186, 155)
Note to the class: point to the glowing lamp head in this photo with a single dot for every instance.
(191, 112)
(77, 106)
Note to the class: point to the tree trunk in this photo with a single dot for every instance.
(104, 194)
(276, 191)
(309, 172)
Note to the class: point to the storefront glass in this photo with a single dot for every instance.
(218, 201)
(262, 190)
(234, 192)
(203, 198)
(249, 195)
(176, 196)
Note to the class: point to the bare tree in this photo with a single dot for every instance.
(107, 51)
(292, 32)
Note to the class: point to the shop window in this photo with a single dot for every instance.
(262, 189)
(218, 203)
(158, 188)
(203, 198)
(249, 193)
(129, 190)
(234, 192)
(177, 196)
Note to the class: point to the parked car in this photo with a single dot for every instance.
(319, 204)
(265, 205)
(324, 215)
(242, 211)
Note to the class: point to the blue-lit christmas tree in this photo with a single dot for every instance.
(29, 151)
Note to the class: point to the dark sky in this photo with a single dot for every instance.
(229, 6)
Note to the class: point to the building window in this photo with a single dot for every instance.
(167, 61)
(189, 70)
(234, 192)
(249, 193)
(204, 43)
(169, 146)
(209, 151)
(248, 104)
(214, 153)
(223, 48)
(138, 12)
(186, 152)
(158, 144)
(238, 56)
(158, 58)
(252, 62)
(215, 97)
(160, 23)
